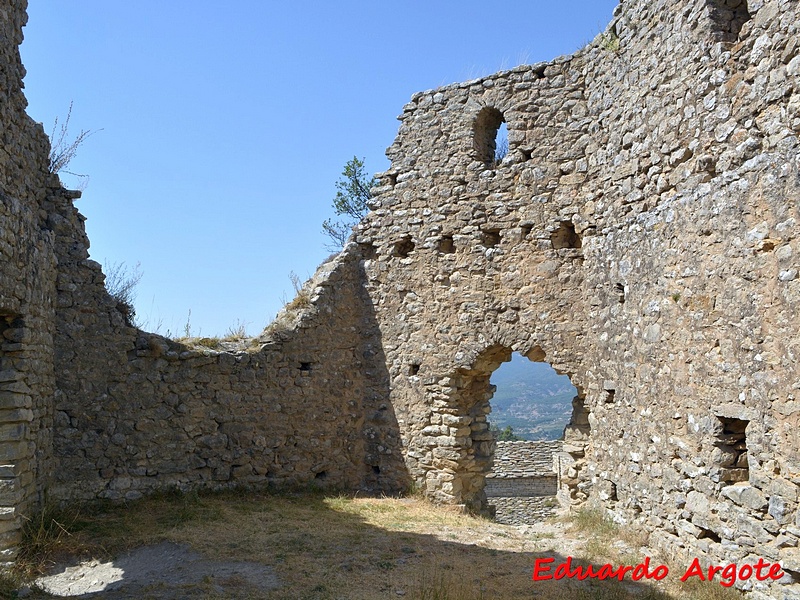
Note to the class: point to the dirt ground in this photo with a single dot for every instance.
(163, 570)
(311, 547)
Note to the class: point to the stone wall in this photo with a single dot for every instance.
(523, 469)
(27, 292)
(305, 404)
(640, 236)
(521, 487)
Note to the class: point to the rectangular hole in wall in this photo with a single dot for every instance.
(619, 290)
(403, 247)
(565, 236)
(728, 17)
(732, 443)
(491, 238)
(447, 245)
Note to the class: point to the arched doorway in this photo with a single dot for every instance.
(472, 457)
(531, 407)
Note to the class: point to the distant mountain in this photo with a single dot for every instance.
(532, 398)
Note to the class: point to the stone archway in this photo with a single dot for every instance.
(461, 444)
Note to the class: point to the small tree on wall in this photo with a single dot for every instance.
(352, 195)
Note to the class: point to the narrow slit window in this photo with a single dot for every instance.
(619, 290)
(485, 136)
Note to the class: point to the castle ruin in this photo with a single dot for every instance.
(640, 235)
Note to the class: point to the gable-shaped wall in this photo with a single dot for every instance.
(669, 150)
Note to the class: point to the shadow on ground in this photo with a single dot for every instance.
(310, 548)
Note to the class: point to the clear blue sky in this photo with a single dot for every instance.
(226, 124)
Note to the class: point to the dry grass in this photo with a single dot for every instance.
(343, 547)
(608, 542)
(286, 319)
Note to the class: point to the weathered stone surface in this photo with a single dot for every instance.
(640, 236)
(27, 290)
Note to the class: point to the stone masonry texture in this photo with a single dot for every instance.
(640, 236)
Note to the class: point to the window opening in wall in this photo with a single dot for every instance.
(413, 369)
(404, 247)
(524, 232)
(728, 17)
(305, 366)
(446, 245)
(731, 444)
(491, 238)
(485, 135)
(565, 236)
(610, 389)
(531, 406)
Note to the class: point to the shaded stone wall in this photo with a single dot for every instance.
(27, 292)
(304, 404)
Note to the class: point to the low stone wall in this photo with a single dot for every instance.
(522, 486)
(523, 469)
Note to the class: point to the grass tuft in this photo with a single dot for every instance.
(46, 537)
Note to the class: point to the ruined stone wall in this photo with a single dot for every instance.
(92, 407)
(304, 405)
(27, 293)
(640, 237)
